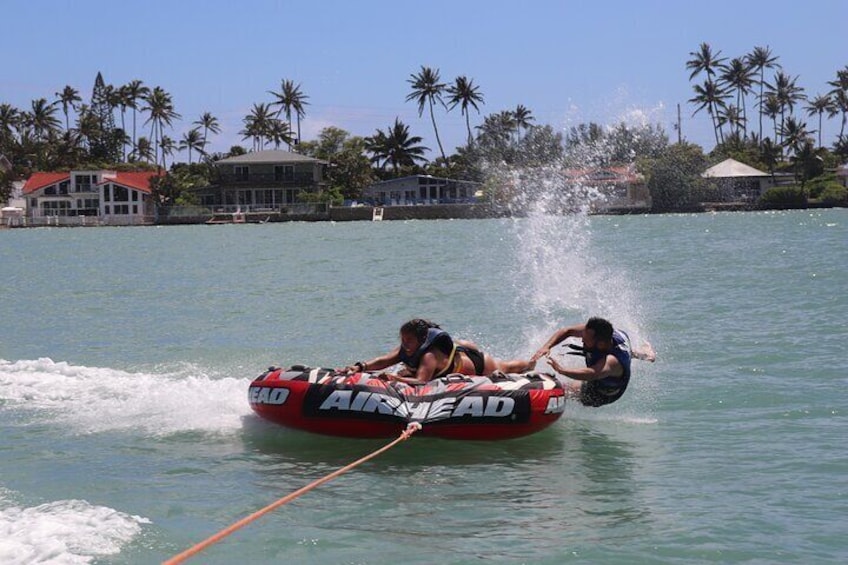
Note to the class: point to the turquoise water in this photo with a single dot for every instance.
(125, 355)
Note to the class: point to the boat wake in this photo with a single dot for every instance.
(65, 531)
(89, 400)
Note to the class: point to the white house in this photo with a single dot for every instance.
(738, 182)
(420, 189)
(83, 197)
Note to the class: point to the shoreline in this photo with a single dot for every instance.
(389, 213)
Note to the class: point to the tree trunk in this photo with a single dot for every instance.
(435, 129)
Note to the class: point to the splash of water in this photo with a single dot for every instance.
(563, 274)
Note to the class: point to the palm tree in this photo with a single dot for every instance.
(167, 146)
(395, 147)
(712, 97)
(42, 119)
(787, 94)
(9, 120)
(840, 104)
(88, 126)
(68, 97)
(162, 113)
(143, 149)
(771, 108)
(819, 105)
(192, 140)
(498, 128)
(733, 117)
(704, 60)
(116, 98)
(290, 98)
(794, 134)
(209, 123)
(770, 154)
(134, 92)
(279, 133)
(739, 76)
(426, 89)
(257, 125)
(120, 98)
(759, 60)
(840, 95)
(522, 118)
(464, 93)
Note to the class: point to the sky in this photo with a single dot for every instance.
(569, 62)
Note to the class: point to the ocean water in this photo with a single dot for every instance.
(126, 353)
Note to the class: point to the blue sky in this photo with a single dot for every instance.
(568, 62)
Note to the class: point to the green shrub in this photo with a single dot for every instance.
(817, 185)
(834, 193)
(782, 197)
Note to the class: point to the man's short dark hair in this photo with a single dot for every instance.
(601, 327)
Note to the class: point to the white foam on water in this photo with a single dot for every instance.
(96, 399)
(62, 532)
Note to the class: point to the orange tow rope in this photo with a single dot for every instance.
(194, 550)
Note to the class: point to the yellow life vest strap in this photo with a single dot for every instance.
(454, 363)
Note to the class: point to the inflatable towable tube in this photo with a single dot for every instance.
(319, 400)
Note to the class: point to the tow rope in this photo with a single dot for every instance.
(411, 428)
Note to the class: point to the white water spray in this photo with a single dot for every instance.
(95, 400)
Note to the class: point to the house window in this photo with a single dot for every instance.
(54, 208)
(82, 183)
(87, 206)
(121, 209)
(121, 193)
(50, 190)
(63, 186)
(283, 173)
(135, 196)
(240, 172)
(245, 197)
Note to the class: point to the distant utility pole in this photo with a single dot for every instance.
(679, 128)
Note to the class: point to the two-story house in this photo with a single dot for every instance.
(262, 181)
(96, 197)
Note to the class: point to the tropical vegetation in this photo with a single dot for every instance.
(759, 113)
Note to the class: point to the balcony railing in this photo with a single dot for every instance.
(298, 179)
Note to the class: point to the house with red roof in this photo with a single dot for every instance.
(89, 198)
(614, 188)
